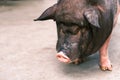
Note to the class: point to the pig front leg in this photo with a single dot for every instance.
(105, 63)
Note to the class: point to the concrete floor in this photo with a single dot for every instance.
(27, 48)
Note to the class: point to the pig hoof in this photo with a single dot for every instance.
(105, 64)
(106, 68)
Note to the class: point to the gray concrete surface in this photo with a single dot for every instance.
(27, 48)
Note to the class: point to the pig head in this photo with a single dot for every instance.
(82, 27)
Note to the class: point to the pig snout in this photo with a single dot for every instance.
(63, 58)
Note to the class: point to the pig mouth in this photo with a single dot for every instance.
(63, 58)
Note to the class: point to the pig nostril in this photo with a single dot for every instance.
(60, 56)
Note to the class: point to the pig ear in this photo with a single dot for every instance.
(47, 14)
(92, 17)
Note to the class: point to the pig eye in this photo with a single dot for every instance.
(72, 31)
(67, 24)
(75, 31)
(62, 31)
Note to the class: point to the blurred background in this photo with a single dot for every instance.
(9, 2)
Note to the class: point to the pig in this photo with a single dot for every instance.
(83, 28)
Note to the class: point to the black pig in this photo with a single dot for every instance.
(84, 27)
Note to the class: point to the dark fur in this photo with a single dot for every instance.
(82, 25)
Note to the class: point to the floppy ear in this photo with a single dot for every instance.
(48, 14)
(92, 17)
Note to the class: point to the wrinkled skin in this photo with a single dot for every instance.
(83, 27)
